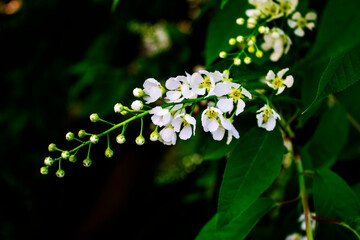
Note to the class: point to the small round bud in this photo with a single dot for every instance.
(87, 162)
(154, 136)
(267, 29)
(240, 39)
(94, 139)
(118, 108)
(140, 140)
(138, 92)
(240, 21)
(237, 61)
(137, 105)
(48, 161)
(259, 54)
(65, 154)
(44, 170)
(109, 153)
(262, 29)
(247, 60)
(251, 49)
(72, 158)
(232, 41)
(60, 173)
(52, 147)
(69, 136)
(94, 117)
(251, 22)
(120, 139)
(124, 112)
(222, 54)
(227, 72)
(81, 133)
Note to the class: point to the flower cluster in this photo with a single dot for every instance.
(301, 220)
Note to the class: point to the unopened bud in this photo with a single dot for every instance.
(237, 61)
(120, 139)
(259, 54)
(48, 161)
(52, 147)
(109, 153)
(94, 117)
(251, 49)
(82, 133)
(247, 60)
(44, 170)
(65, 154)
(262, 29)
(72, 158)
(69, 136)
(60, 173)
(232, 41)
(87, 162)
(138, 92)
(240, 21)
(137, 105)
(94, 139)
(240, 39)
(154, 136)
(222, 54)
(118, 108)
(140, 140)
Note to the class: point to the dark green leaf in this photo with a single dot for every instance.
(251, 168)
(208, 232)
(217, 149)
(223, 3)
(333, 197)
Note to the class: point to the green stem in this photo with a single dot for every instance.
(304, 198)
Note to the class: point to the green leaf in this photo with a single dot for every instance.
(240, 226)
(223, 3)
(341, 72)
(251, 168)
(329, 138)
(217, 149)
(223, 27)
(333, 197)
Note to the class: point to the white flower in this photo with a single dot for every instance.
(266, 117)
(277, 40)
(179, 89)
(236, 94)
(152, 89)
(312, 222)
(186, 121)
(277, 82)
(168, 135)
(300, 22)
(232, 133)
(295, 236)
(202, 84)
(137, 105)
(161, 117)
(288, 6)
(264, 9)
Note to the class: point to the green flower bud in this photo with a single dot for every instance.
(65, 154)
(94, 139)
(72, 158)
(259, 54)
(120, 139)
(118, 108)
(82, 133)
(52, 147)
(48, 161)
(140, 140)
(94, 117)
(247, 60)
(109, 153)
(87, 162)
(154, 136)
(44, 170)
(60, 173)
(69, 136)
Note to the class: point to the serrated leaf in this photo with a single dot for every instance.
(251, 168)
(329, 138)
(240, 226)
(333, 197)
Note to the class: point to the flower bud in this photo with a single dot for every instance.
(60, 173)
(94, 139)
(120, 139)
(227, 72)
(251, 49)
(140, 140)
(124, 112)
(87, 162)
(69, 136)
(240, 39)
(262, 29)
(240, 21)
(94, 117)
(44, 170)
(109, 153)
(259, 54)
(81, 133)
(137, 105)
(247, 60)
(222, 54)
(118, 108)
(72, 158)
(237, 61)
(65, 154)
(232, 41)
(154, 136)
(52, 147)
(48, 161)
(138, 92)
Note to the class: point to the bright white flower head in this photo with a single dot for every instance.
(302, 221)
(288, 6)
(179, 89)
(300, 22)
(204, 84)
(186, 121)
(236, 94)
(161, 116)
(277, 82)
(168, 136)
(137, 105)
(295, 236)
(152, 89)
(266, 117)
(277, 40)
(264, 9)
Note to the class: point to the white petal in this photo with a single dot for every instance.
(172, 83)
(280, 90)
(270, 124)
(246, 93)
(176, 123)
(190, 119)
(311, 16)
(213, 125)
(275, 56)
(222, 89)
(282, 72)
(226, 123)
(270, 75)
(296, 15)
(151, 82)
(240, 107)
(173, 95)
(289, 81)
(260, 119)
(310, 25)
(185, 132)
(299, 32)
(196, 79)
(226, 105)
(218, 134)
(292, 23)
